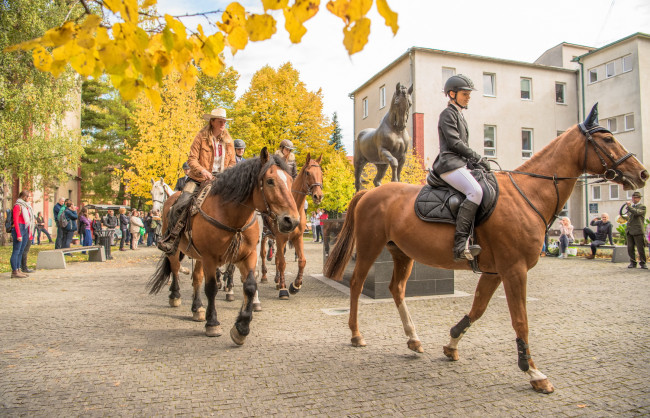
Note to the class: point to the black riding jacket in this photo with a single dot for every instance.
(454, 142)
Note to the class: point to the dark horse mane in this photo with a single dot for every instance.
(237, 182)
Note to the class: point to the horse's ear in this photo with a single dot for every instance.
(308, 158)
(397, 86)
(411, 89)
(319, 158)
(592, 117)
(162, 180)
(152, 182)
(264, 155)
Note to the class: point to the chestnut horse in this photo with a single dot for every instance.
(309, 181)
(511, 238)
(225, 230)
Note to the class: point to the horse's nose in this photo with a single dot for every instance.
(287, 224)
(644, 175)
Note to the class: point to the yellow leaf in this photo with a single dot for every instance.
(295, 28)
(356, 37)
(42, 58)
(27, 45)
(349, 10)
(237, 39)
(113, 58)
(115, 6)
(154, 97)
(260, 27)
(91, 23)
(234, 16)
(274, 4)
(61, 35)
(130, 11)
(211, 67)
(188, 78)
(176, 26)
(389, 16)
(83, 62)
(57, 67)
(304, 10)
(213, 45)
(130, 88)
(85, 40)
(149, 3)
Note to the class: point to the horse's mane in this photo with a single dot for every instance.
(236, 183)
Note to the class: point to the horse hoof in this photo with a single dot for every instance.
(542, 386)
(257, 307)
(264, 280)
(277, 286)
(452, 353)
(213, 330)
(184, 270)
(236, 337)
(293, 289)
(230, 297)
(174, 302)
(358, 341)
(199, 315)
(415, 345)
(284, 294)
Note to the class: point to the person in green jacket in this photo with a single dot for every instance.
(634, 234)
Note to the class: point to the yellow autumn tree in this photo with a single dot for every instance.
(165, 137)
(339, 184)
(412, 172)
(137, 47)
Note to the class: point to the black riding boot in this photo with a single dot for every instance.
(176, 223)
(464, 220)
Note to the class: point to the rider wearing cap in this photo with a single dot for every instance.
(180, 183)
(451, 163)
(240, 147)
(212, 151)
(286, 152)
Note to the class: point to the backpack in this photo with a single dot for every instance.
(63, 221)
(9, 221)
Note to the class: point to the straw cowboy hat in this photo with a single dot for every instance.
(218, 113)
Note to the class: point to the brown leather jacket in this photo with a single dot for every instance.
(202, 154)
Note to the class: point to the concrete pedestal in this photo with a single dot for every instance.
(423, 281)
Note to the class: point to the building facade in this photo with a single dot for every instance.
(520, 107)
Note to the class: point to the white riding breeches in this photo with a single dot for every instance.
(463, 181)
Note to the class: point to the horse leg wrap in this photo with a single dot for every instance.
(461, 327)
(522, 355)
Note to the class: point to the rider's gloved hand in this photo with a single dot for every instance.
(484, 164)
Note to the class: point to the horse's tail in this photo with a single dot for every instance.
(160, 276)
(342, 251)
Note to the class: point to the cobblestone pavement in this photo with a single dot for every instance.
(90, 341)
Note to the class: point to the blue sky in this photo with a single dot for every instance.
(516, 30)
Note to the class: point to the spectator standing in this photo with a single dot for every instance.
(110, 222)
(323, 217)
(70, 213)
(40, 228)
(603, 232)
(156, 225)
(59, 230)
(634, 231)
(566, 236)
(124, 226)
(87, 237)
(135, 224)
(22, 231)
(96, 226)
(319, 226)
(314, 224)
(147, 228)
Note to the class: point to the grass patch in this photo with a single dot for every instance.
(5, 256)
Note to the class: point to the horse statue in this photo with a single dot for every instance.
(388, 144)
(309, 181)
(223, 229)
(537, 190)
(160, 191)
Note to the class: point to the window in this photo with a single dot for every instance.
(365, 107)
(613, 192)
(593, 75)
(627, 63)
(629, 122)
(610, 70)
(611, 125)
(446, 73)
(595, 192)
(564, 211)
(628, 194)
(526, 143)
(559, 93)
(526, 88)
(489, 141)
(382, 97)
(489, 87)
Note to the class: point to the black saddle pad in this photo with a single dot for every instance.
(439, 202)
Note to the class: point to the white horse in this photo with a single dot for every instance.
(160, 191)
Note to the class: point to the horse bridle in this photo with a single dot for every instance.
(310, 186)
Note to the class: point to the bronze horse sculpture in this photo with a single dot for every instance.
(308, 182)
(387, 145)
(225, 230)
(537, 190)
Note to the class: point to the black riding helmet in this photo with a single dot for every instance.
(239, 144)
(456, 83)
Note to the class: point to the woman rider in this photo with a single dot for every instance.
(451, 163)
(211, 152)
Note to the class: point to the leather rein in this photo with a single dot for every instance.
(610, 173)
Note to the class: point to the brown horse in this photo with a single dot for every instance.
(308, 182)
(511, 238)
(225, 230)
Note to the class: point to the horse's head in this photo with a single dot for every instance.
(400, 106)
(158, 193)
(275, 189)
(313, 179)
(604, 155)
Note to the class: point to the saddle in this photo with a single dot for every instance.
(439, 202)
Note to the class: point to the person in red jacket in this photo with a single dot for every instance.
(22, 231)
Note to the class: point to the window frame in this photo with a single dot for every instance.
(531, 150)
(609, 125)
(612, 65)
(623, 63)
(493, 83)
(557, 83)
(494, 141)
(530, 88)
(594, 72)
(382, 96)
(625, 125)
(618, 194)
(593, 194)
(444, 77)
(364, 107)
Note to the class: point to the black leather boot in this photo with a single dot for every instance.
(176, 223)
(464, 220)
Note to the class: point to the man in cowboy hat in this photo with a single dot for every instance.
(211, 152)
(634, 234)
